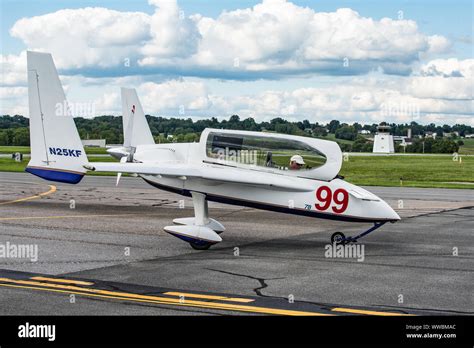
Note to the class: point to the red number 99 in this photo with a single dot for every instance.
(340, 201)
(325, 199)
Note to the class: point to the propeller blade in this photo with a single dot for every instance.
(119, 175)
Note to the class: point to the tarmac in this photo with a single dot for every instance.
(102, 251)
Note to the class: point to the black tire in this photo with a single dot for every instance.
(338, 238)
(201, 245)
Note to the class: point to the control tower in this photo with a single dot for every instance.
(383, 140)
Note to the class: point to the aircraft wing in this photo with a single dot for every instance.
(144, 168)
(280, 182)
(227, 175)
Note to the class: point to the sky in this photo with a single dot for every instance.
(355, 61)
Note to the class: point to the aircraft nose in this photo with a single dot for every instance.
(395, 215)
(391, 213)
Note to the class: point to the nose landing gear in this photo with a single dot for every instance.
(337, 238)
(340, 238)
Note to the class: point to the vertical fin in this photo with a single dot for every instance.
(135, 126)
(57, 153)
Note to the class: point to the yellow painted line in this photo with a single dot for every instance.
(60, 217)
(209, 297)
(66, 281)
(362, 311)
(151, 299)
(52, 189)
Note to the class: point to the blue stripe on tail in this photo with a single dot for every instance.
(56, 175)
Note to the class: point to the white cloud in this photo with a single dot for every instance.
(108, 103)
(85, 37)
(173, 34)
(14, 101)
(438, 44)
(13, 69)
(363, 99)
(174, 97)
(274, 39)
(350, 103)
(369, 99)
(451, 67)
(271, 39)
(282, 37)
(441, 87)
(444, 79)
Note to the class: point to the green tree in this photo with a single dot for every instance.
(361, 144)
(4, 140)
(445, 145)
(346, 132)
(333, 126)
(21, 137)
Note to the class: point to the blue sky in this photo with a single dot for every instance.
(253, 61)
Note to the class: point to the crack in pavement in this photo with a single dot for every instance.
(439, 212)
(264, 285)
(257, 290)
(323, 306)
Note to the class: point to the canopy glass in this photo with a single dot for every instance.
(269, 152)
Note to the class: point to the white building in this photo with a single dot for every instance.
(383, 140)
(93, 143)
(408, 140)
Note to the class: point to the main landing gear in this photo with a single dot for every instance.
(200, 245)
(200, 231)
(340, 238)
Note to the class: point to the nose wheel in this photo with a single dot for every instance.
(338, 238)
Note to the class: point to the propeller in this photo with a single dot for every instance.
(119, 175)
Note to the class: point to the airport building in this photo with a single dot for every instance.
(93, 143)
(383, 140)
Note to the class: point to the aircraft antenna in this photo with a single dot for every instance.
(42, 117)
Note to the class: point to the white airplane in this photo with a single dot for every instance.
(228, 166)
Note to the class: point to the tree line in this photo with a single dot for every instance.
(14, 130)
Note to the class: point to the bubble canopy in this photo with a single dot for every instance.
(271, 152)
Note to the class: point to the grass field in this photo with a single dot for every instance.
(416, 171)
(332, 137)
(468, 147)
